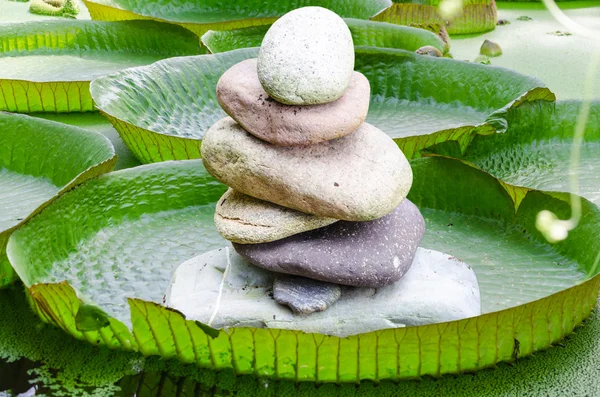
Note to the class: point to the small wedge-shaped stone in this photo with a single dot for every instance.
(303, 295)
(490, 49)
(361, 254)
(359, 177)
(246, 220)
(242, 96)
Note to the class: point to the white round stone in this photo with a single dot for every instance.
(437, 288)
(306, 57)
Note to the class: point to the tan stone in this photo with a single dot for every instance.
(246, 220)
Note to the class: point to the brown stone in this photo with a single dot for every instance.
(242, 96)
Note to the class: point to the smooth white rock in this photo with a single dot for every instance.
(437, 288)
(306, 57)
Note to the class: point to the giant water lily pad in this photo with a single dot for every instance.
(77, 366)
(364, 33)
(46, 66)
(476, 16)
(536, 150)
(39, 160)
(94, 121)
(104, 260)
(162, 110)
(201, 16)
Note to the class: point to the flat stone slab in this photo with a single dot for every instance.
(360, 254)
(306, 57)
(359, 177)
(247, 220)
(242, 96)
(304, 295)
(437, 288)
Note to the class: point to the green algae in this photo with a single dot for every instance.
(75, 364)
(55, 8)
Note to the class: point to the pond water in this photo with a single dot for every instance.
(533, 46)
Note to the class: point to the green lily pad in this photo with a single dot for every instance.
(477, 16)
(72, 54)
(163, 110)
(202, 16)
(535, 151)
(125, 232)
(39, 160)
(94, 121)
(364, 33)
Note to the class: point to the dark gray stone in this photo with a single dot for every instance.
(304, 295)
(362, 254)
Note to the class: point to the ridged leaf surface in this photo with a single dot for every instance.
(202, 16)
(39, 160)
(46, 66)
(476, 16)
(536, 150)
(94, 121)
(364, 33)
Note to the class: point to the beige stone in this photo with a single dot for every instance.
(246, 220)
(359, 177)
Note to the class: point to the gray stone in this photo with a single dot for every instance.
(437, 288)
(490, 48)
(243, 98)
(306, 57)
(362, 254)
(304, 295)
(247, 220)
(429, 50)
(359, 177)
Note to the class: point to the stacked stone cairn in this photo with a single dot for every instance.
(316, 194)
